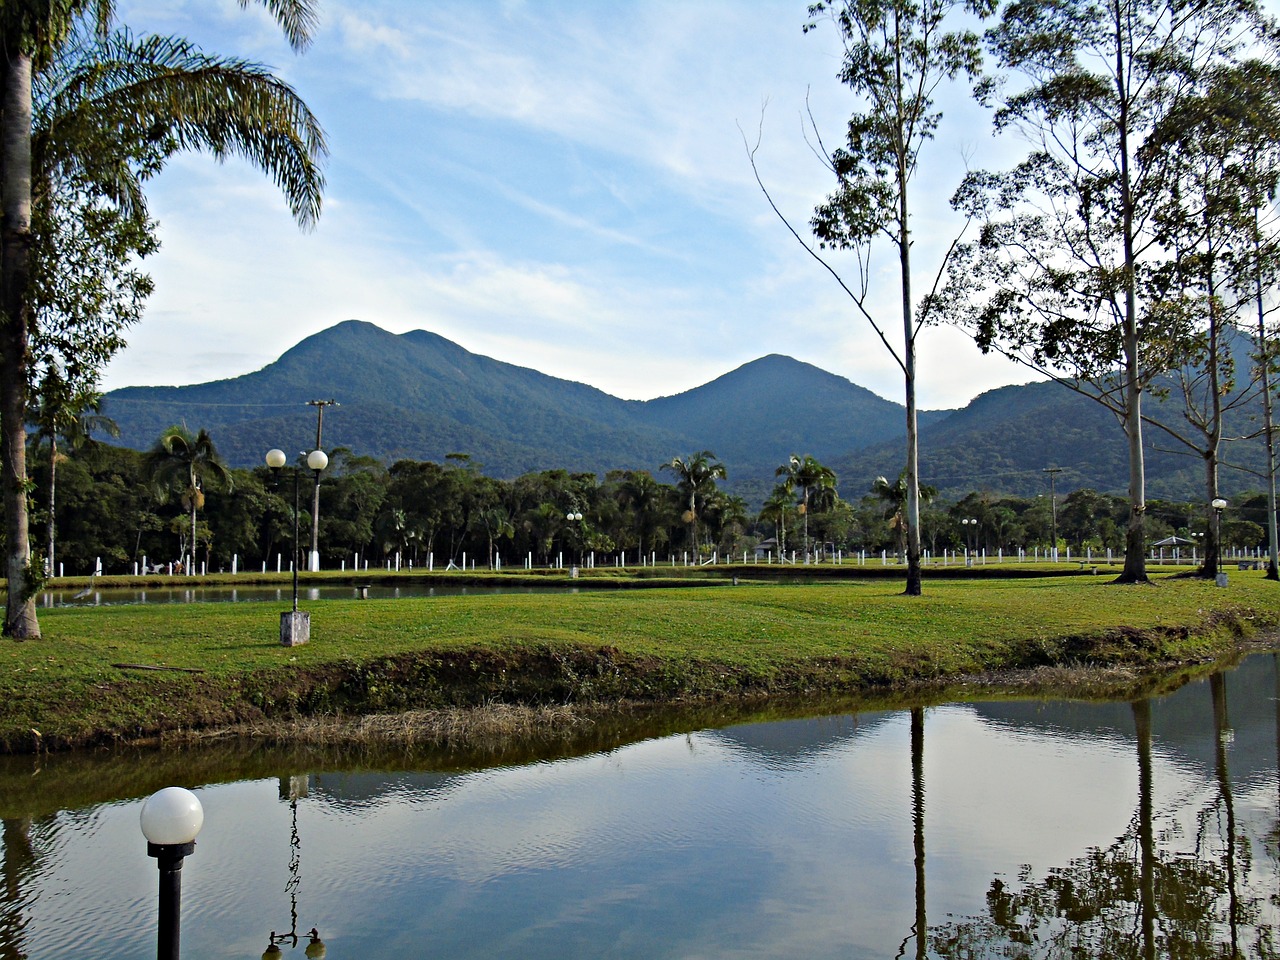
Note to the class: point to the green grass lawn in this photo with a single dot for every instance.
(709, 641)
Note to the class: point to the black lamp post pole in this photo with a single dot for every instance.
(1217, 535)
(169, 857)
(296, 471)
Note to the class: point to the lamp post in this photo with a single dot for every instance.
(170, 820)
(295, 625)
(1218, 505)
(1053, 507)
(970, 524)
(313, 558)
(575, 519)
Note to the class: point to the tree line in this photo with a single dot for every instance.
(1137, 231)
(177, 503)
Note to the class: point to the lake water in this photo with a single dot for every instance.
(1033, 828)
(275, 594)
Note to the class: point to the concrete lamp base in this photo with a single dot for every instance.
(295, 628)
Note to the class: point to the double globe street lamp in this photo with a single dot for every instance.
(295, 625)
(574, 518)
(970, 525)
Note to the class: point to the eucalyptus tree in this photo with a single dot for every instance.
(64, 411)
(1256, 262)
(116, 112)
(696, 477)
(1205, 215)
(86, 289)
(897, 55)
(810, 476)
(191, 463)
(1063, 276)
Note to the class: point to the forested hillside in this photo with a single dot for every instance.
(418, 396)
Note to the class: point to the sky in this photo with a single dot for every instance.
(559, 184)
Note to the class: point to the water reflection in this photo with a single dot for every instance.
(116, 596)
(18, 867)
(293, 789)
(1185, 879)
(1139, 829)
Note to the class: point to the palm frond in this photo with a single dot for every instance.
(141, 100)
(297, 18)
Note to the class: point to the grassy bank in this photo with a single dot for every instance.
(110, 673)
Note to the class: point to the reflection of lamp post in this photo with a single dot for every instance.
(1218, 506)
(295, 626)
(315, 948)
(170, 820)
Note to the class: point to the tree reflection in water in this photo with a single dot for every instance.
(919, 929)
(19, 868)
(1134, 899)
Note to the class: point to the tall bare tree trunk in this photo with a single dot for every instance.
(15, 248)
(1135, 544)
(50, 523)
(1264, 359)
(915, 585)
(1213, 437)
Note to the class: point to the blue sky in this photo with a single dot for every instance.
(560, 184)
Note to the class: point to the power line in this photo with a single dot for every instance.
(202, 403)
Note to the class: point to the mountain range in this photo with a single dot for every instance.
(420, 396)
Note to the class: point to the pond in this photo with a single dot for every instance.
(1006, 828)
(258, 593)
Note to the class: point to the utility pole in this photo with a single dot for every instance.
(1053, 507)
(313, 561)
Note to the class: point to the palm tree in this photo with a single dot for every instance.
(496, 523)
(117, 122)
(895, 497)
(775, 511)
(732, 516)
(807, 474)
(649, 504)
(64, 411)
(191, 461)
(696, 477)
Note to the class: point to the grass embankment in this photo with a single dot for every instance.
(83, 684)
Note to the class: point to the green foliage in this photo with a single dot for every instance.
(696, 477)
